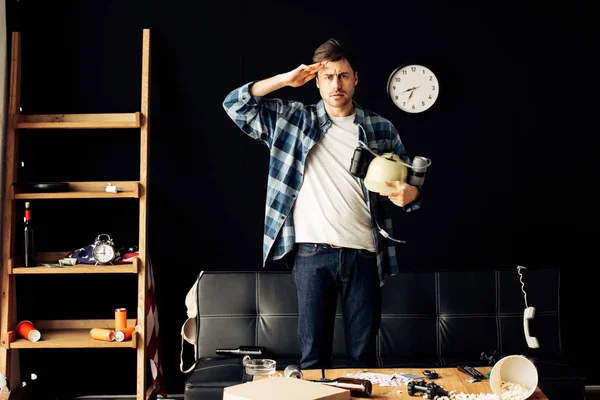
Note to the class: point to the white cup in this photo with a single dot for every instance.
(515, 369)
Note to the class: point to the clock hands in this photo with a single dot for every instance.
(409, 89)
(412, 91)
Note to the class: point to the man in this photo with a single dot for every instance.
(316, 207)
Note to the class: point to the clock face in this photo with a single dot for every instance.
(413, 88)
(104, 253)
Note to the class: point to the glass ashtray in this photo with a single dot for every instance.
(259, 366)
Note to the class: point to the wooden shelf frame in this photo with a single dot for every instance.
(72, 334)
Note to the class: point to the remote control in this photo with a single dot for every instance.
(472, 372)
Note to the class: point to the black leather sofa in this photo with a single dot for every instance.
(430, 320)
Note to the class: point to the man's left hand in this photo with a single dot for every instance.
(400, 193)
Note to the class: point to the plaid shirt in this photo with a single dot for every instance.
(290, 129)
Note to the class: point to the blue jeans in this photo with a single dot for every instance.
(321, 273)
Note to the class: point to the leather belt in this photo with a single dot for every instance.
(333, 246)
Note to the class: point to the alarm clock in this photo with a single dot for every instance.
(104, 252)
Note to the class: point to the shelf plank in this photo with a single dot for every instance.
(78, 269)
(68, 334)
(15, 267)
(69, 339)
(84, 190)
(52, 324)
(78, 121)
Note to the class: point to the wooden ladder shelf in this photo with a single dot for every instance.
(69, 334)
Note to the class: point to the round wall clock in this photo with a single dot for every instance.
(413, 88)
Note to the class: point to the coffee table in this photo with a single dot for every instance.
(449, 378)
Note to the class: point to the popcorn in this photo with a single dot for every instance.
(513, 391)
(469, 396)
(510, 391)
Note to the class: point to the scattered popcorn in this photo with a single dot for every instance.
(513, 391)
(510, 391)
(470, 396)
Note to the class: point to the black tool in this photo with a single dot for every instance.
(430, 389)
(472, 372)
(431, 374)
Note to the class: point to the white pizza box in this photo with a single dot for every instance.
(284, 388)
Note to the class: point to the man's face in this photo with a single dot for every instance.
(336, 84)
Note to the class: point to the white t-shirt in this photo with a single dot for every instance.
(330, 207)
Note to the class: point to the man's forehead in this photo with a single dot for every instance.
(337, 67)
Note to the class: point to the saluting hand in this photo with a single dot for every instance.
(401, 193)
(304, 73)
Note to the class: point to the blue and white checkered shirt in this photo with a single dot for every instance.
(290, 129)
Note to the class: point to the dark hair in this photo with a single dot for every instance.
(334, 50)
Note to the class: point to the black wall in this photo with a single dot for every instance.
(509, 139)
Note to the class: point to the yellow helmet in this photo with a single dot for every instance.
(386, 167)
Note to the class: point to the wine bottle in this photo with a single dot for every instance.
(29, 245)
(244, 351)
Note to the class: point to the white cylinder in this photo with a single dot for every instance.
(516, 370)
(293, 371)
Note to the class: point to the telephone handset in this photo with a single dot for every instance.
(532, 341)
(528, 314)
